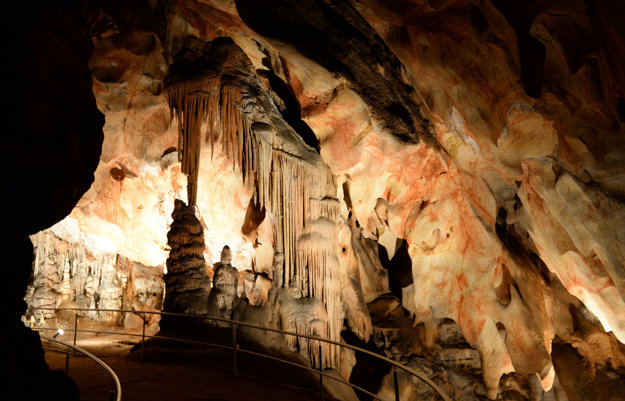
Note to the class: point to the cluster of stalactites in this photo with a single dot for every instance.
(317, 270)
(193, 104)
(283, 182)
(291, 187)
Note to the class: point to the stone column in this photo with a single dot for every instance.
(187, 286)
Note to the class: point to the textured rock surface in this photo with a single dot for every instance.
(67, 275)
(187, 284)
(415, 164)
(224, 295)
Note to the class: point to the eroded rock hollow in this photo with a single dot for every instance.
(440, 181)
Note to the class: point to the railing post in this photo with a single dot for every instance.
(73, 350)
(66, 361)
(234, 348)
(320, 372)
(75, 330)
(143, 338)
(396, 382)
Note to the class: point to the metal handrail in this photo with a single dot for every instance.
(410, 371)
(118, 386)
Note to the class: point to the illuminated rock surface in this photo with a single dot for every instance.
(443, 180)
(186, 281)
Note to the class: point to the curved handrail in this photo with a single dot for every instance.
(118, 386)
(410, 371)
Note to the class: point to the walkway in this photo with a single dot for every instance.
(180, 374)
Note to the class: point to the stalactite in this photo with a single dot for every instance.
(295, 190)
(192, 106)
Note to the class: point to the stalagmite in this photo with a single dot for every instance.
(187, 284)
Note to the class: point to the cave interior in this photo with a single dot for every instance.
(440, 182)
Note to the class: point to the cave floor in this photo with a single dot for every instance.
(181, 373)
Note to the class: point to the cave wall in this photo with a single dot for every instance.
(66, 274)
(54, 134)
(472, 152)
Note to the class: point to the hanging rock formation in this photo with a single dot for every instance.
(220, 91)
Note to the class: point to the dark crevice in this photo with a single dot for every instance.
(513, 243)
(292, 113)
(368, 371)
(518, 290)
(521, 16)
(347, 198)
(254, 216)
(399, 268)
(336, 36)
(478, 21)
(500, 224)
(169, 150)
(117, 173)
(620, 108)
(533, 66)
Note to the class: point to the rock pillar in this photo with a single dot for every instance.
(187, 285)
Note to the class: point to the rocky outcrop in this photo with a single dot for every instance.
(225, 293)
(66, 274)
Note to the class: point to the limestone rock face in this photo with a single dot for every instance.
(68, 275)
(441, 180)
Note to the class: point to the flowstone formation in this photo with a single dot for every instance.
(440, 181)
